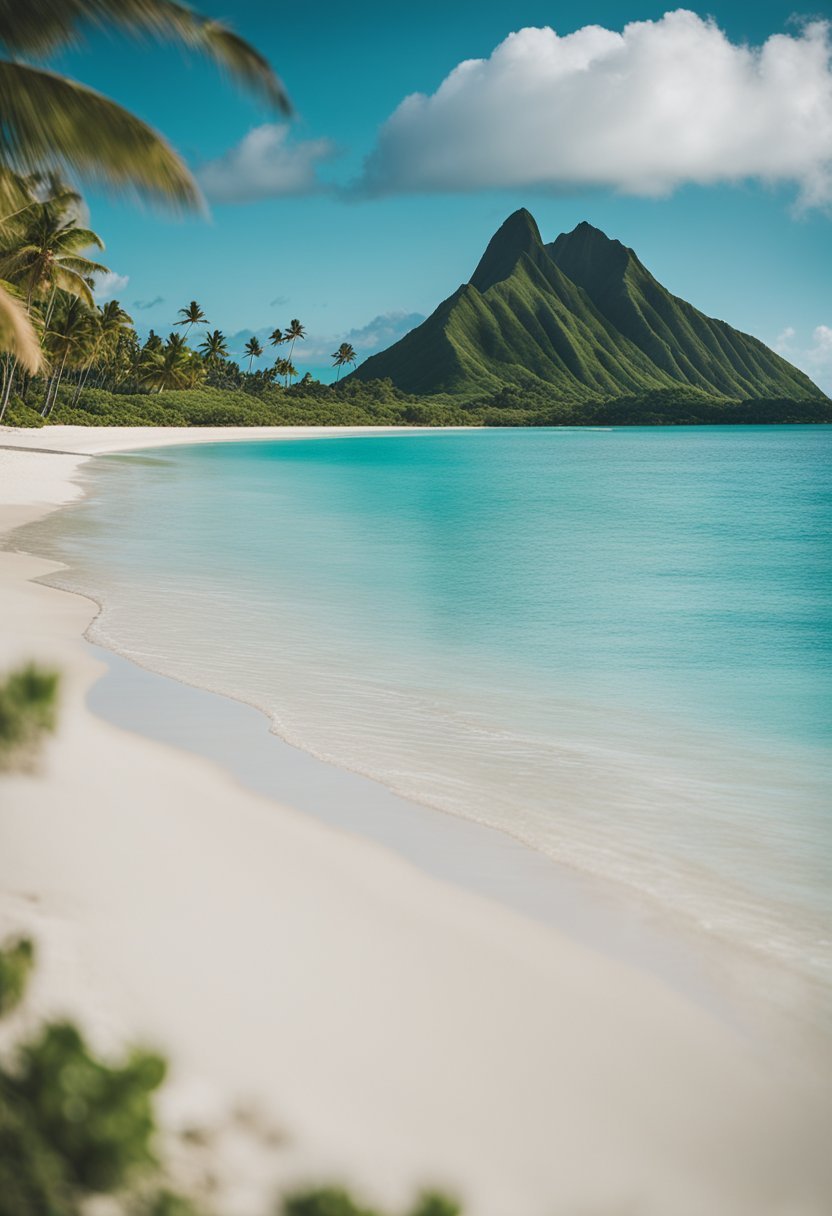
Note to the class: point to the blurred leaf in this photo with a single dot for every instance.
(28, 711)
(16, 962)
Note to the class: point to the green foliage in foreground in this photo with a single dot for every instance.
(379, 403)
(71, 1125)
(332, 1201)
(74, 1126)
(28, 711)
(16, 963)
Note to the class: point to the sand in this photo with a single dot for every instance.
(397, 1029)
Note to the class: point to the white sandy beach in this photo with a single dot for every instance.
(399, 1030)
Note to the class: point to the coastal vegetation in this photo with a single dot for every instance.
(94, 369)
(53, 125)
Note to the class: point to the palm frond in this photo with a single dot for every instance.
(74, 284)
(17, 334)
(50, 121)
(73, 238)
(81, 265)
(42, 26)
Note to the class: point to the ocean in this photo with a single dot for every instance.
(612, 644)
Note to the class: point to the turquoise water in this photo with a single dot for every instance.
(612, 644)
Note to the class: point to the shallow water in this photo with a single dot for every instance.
(613, 644)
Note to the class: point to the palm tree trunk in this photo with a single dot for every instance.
(7, 388)
(56, 384)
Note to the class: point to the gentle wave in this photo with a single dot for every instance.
(603, 645)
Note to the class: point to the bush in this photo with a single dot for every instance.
(19, 414)
(333, 1201)
(16, 963)
(28, 710)
(96, 1118)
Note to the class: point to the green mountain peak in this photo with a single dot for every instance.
(517, 235)
(582, 318)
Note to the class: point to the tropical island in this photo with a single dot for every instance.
(400, 821)
(574, 333)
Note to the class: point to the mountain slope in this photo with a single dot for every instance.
(691, 347)
(581, 317)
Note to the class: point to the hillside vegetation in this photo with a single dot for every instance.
(581, 316)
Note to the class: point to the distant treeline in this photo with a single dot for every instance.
(380, 403)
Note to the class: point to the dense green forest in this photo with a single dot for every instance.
(379, 403)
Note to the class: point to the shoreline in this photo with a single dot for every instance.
(551, 955)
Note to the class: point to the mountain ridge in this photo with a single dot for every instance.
(582, 317)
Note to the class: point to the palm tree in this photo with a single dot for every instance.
(295, 331)
(191, 316)
(174, 366)
(276, 337)
(110, 322)
(43, 251)
(177, 342)
(254, 350)
(69, 341)
(285, 368)
(345, 354)
(50, 121)
(214, 347)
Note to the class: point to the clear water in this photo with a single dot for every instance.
(613, 644)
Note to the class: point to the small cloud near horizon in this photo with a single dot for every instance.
(265, 164)
(145, 304)
(316, 350)
(278, 301)
(657, 106)
(109, 285)
(814, 358)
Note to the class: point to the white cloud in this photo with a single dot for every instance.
(265, 165)
(813, 357)
(643, 111)
(782, 343)
(110, 285)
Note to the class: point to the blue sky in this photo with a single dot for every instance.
(734, 215)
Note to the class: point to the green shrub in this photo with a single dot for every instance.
(334, 1201)
(16, 962)
(19, 414)
(32, 1177)
(96, 1119)
(323, 1201)
(28, 711)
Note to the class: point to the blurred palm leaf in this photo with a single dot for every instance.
(17, 334)
(40, 27)
(49, 120)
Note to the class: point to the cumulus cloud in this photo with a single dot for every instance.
(265, 164)
(660, 104)
(109, 285)
(814, 356)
